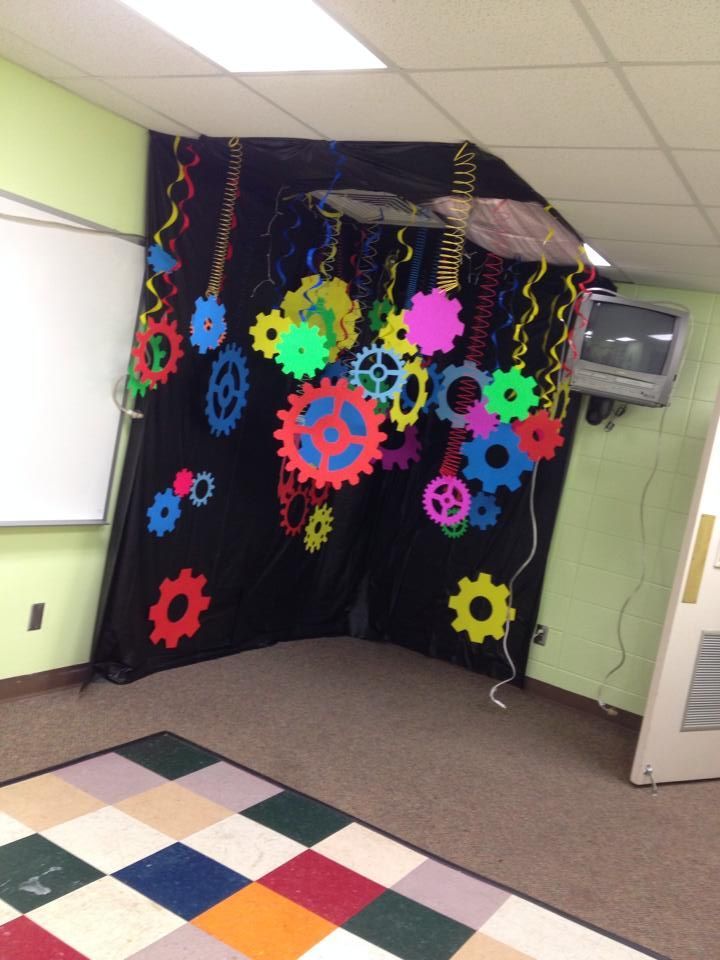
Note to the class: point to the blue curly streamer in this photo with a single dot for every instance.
(309, 259)
(507, 310)
(291, 250)
(415, 267)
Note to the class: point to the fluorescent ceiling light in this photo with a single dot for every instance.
(625, 339)
(661, 336)
(259, 37)
(596, 259)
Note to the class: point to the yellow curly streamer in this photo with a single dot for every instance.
(520, 333)
(551, 375)
(390, 292)
(327, 266)
(453, 240)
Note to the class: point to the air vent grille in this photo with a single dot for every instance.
(703, 706)
(368, 206)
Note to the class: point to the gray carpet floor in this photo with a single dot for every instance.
(535, 797)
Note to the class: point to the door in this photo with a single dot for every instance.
(680, 734)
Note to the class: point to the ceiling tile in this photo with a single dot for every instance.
(679, 281)
(98, 91)
(422, 34)
(541, 108)
(27, 55)
(682, 101)
(101, 37)
(215, 106)
(702, 168)
(640, 176)
(714, 214)
(634, 31)
(637, 221)
(359, 106)
(675, 258)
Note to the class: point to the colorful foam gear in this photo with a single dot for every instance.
(446, 500)
(479, 421)
(227, 390)
(378, 372)
(492, 477)
(208, 326)
(401, 457)
(456, 531)
(137, 387)
(318, 528)
(539, 436)
(160, 260)
(511, 394)
(484, 511)
(183, 482)
(500, 612)
(404, 418)
(377, 314)
(315, 295)
(393, 335)
(266, 330)
(170, 632)
(164, 513)
(202, 489)
(301, 350)
(433, 322)
(167, 329)
(451, 375)
(330, 434)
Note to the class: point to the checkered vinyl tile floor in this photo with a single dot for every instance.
(160, 850)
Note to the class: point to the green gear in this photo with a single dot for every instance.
(322, 317)
(302, 350)
(455, 531)
(378, 314)
(136, 387)
(511, 395)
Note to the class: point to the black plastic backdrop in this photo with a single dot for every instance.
(386, 571)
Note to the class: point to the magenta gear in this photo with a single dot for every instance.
(447, 500)
(183, 482)
(480, 422)
(433, 322)
(401, 457)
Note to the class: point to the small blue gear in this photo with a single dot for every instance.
(436, 383)
(379, 372)
(334, 371)
(160, 260)
(450, 376)
(227, 390)
(484, 511)
(199, 500)
(164, 513)
(508, 475)
(208, 326)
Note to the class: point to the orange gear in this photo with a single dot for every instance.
(169, 631)
(143, 371)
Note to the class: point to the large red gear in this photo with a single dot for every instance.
(169, 631)
(342, 438)
(163, 328)
(539, 435)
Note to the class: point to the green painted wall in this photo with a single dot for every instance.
(59, 150)
(596, 554)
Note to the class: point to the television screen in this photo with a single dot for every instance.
(620, 335)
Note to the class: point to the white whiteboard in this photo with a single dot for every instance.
(68, 308)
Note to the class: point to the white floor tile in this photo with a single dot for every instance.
(11, 829)
(242, 845)
(370, 854)
(341, 945)
(7, 913)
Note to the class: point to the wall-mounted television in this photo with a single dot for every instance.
(628, 350)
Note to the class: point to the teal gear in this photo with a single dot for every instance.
(511, 395)
(302, 350)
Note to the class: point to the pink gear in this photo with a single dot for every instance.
(433, 322)
(539, 435)
(447, 500)
(182, 484)
(480, 422)
(401, 457)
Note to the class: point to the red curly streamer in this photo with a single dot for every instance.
(185, 177)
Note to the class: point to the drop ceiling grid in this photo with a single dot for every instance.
(637, 170)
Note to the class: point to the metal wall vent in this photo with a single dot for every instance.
(703, 706)
(369, 206)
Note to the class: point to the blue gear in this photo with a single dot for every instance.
(509, 474)
(379, 372)
(164, 513)
(435, 383)
(207, 324)
(335, 371)
(209, 480)
(227, 390)
(160, 260)
(450, 375)
(484, 511)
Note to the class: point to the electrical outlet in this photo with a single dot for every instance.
(541, 635)
(36, 616)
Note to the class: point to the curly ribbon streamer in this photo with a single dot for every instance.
(320, 206)
(477, 340)
(398, 259)
(453, 241)
(552, 372)
(520, 335)
(185, 176)
(225, 220)
(291, 248)
(414, 277)
(328, 252)
(507, 310)
(367, 267)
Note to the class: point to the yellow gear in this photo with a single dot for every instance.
(333, 296)
(266, 324)
(497, 596)
(406, 418)
(318, 527)
(394, 335)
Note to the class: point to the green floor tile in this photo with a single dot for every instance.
(34, 871)
(298, 817)
(408, 929)
(167, 756)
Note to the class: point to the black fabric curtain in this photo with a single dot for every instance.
(220, 543)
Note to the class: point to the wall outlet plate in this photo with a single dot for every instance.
(36, 616)
(541, 635)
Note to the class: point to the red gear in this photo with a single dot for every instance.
(169, 631)
(539, 435)
(289, 490)
(292, 504)
(330, 434)
(163, 328)
(182, 484)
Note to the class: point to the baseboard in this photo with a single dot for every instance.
(12, 688)
(586, 704)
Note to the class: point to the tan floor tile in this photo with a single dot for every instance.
(45, 801)
(482, 947)
(173, 810)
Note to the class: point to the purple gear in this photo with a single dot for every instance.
(447, 500)
(401, 457)
(433, 322)
(480, 422)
